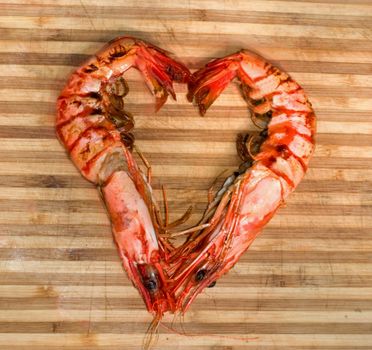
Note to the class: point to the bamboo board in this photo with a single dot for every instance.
(306, 283)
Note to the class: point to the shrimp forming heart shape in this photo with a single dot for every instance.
(95, 129)
(274, 162)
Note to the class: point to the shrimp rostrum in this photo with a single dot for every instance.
(273, 163)
(95, 129)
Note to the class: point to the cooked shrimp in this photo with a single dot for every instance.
(274, 162)
(95, 129)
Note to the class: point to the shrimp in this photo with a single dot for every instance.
(96, 131)
(274, 162)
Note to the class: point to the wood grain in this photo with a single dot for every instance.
(306, 283)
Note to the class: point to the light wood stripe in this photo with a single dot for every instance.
(243, 269)
(105, 256)
(89, 48)
(61, 72)
(246, 292)
(277, 6)
(91, 195)
(190, 27)
(325, 221)
(179, 171)
(264, 244)
(223, 39)
(98, 315)
(144, 124)
(299, 341)
(225, 100)
(171, 147)
(306, 282)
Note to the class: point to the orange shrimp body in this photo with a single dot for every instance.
(95, 129)
(250, 197)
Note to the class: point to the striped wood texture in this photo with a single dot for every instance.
(306, 283)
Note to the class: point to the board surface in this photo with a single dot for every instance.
(306, 282)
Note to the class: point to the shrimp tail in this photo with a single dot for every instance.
(160, 71)
(207, 84)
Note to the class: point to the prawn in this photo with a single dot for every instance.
(273, 164)
(95, 129)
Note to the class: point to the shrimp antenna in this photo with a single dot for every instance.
(152, 333)
(249, 146)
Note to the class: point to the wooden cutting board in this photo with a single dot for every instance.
(306, 283)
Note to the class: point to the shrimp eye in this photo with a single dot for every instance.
(200, 275)
(95, 95)
(149, 277)
(212, 284)
(151, 285)
(258, 102)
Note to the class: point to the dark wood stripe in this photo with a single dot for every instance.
(146, 108)
(195, 328)
(252, 256)
(122, 327)
(231, 280)
(87, 229)
(27, 107)
(236, 304)
(228, 41)
(45, 181)
(49, 181)
(32, 58)
(11, 82)
(175, 159)
(48, 132)
(193, 63)
(305, 186)
(90, 206)
(73, 230)
(81, 206)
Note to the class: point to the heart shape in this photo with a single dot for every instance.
(95, 129)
